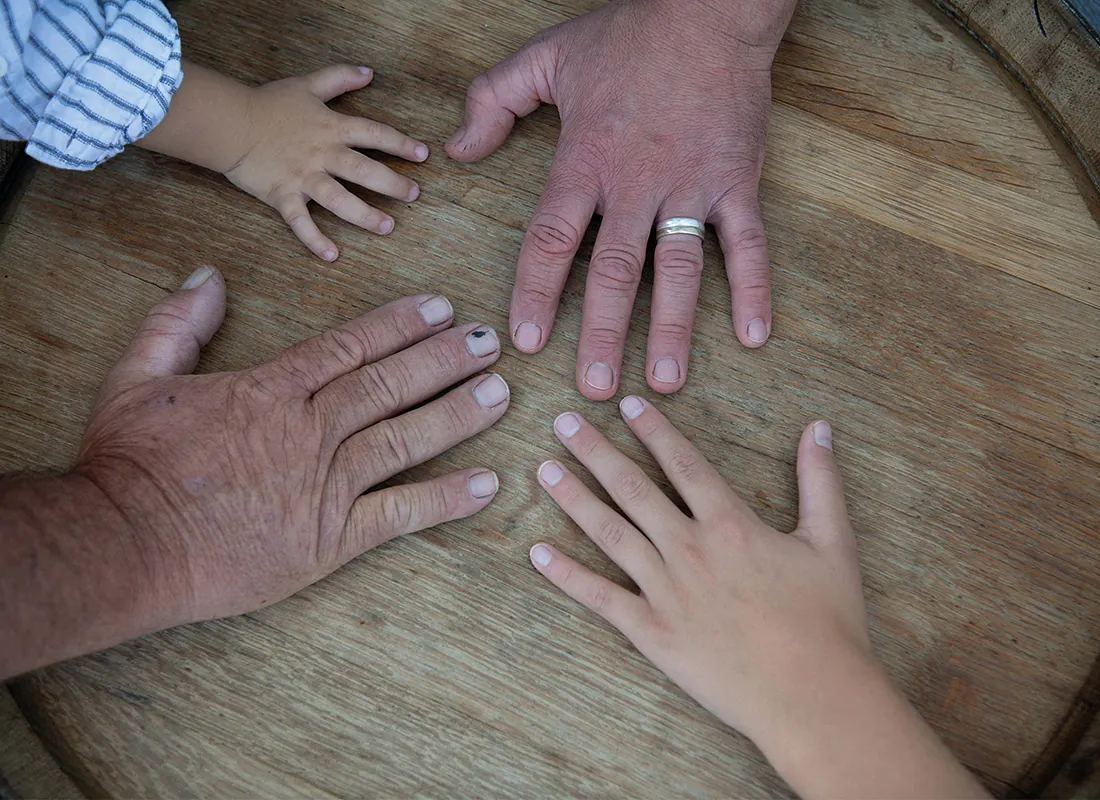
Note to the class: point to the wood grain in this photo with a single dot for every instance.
(935, 286)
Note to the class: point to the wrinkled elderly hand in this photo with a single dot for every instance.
(664, 107)
(244, 487)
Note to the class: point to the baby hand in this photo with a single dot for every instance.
(299, 147)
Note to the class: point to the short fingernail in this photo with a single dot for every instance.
(386, 226)
(540, 555)
(483, 484)
(482, 341)
(823, 434)
(632, 407)
(567, 424)
(666, 370)
(329, 255)
(528, 336)
(421, 152)
(491, 392)
(366, 70)
(197, 278)
(758, 331)
(414, 192)
(598, 375)
(436, 310)
(550, 473)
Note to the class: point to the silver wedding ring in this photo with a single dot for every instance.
(688, 225)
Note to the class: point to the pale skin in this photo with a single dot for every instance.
(765, 630)
(664, 109)
(282, 144)
(203, 496)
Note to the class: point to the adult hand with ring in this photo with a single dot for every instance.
(664, 108)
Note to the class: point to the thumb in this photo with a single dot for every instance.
(513, 88)
(173, 332)
(329, 82)
(823, 517)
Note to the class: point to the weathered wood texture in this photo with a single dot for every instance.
(936, 294)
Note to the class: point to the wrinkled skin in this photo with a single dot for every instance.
(244, 487)
(664, 109)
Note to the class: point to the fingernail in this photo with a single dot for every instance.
(666, 370)
(540, 555)
(758, 331)
(329, 255)
(823, 434)
(366, 70)
(550, 473)
(483, 484)
(632, 407)
(386, 226)
(567, 424)
(528, 335)
(414, 192)
(436, 310)
(491, 392)
(482, 342)
(598, 375)
(421, 152)
(197, 278)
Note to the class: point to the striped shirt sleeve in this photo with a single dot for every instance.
(84, 78)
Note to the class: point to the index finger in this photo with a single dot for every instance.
(549, 246)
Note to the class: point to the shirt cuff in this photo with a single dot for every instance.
(115, 95)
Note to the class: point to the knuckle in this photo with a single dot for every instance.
(598, 596)
(446, 355)
(670, 330)
(331, 197)
(750, 238)
(611, 533)
(681, 262)
(535, 291)
(553, 237)
(384, 387)
(442, 503)
(616, 268)
(632, 487)
(345, 347)
(391, 445)
(396, 511)
(603, 337)
(685, 463)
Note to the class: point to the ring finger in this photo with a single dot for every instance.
(329, 193)
(677, 269)
(366, 172)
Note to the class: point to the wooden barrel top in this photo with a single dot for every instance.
(937, 285)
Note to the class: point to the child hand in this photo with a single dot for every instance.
(767, 631)
(299, 147)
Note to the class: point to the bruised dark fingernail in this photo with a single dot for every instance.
(483, 484)
(491, 392)
(758, 331)
(482, 342)
(598, 375)
(436, 310)
(197, 278)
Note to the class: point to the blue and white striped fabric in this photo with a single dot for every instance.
(84, 78)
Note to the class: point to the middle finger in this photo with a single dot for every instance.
(630, 488)
(613, 275)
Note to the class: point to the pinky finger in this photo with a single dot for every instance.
(379, 516)
(622, 608)
(296, 215)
